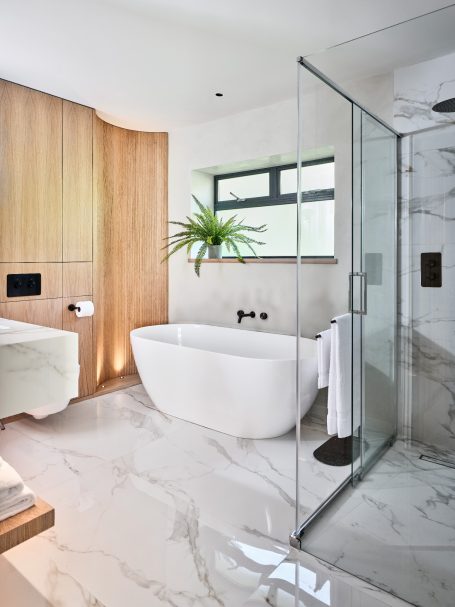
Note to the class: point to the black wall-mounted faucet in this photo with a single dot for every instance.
(241, 314)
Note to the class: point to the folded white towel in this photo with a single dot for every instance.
(11, 483)
(25, 499)
(339, 414)
(323, 342)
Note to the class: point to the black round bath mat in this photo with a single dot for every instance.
(338, 451)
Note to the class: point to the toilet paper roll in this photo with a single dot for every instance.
(86, 308)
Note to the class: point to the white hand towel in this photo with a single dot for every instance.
(25, 499)
(331, 398)
(11, 483)
(343, 330)
(323, 342)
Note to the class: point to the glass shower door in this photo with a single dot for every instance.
(365, 152)
(373, 288)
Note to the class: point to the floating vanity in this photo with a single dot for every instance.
(39, 369)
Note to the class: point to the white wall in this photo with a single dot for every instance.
(222, 289)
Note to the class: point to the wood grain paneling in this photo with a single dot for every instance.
(61, 168)
(77, 279)
(30, 175)
(130, 206)
(77, 182)
(51, 279)
(26, 524)
(44, 312)
(84, 327)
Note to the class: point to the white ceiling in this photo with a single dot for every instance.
(156, 64)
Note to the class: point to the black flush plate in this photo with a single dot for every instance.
(431, 270)
(23, 285)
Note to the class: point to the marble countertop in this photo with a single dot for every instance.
(14, 332)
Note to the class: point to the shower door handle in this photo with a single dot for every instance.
(363, 298)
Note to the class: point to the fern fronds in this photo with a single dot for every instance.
(206, 228)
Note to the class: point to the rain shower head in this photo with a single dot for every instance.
(448, 105)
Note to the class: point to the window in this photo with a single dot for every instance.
(269, 196)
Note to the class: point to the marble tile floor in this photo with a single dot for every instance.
(153, 511)
(301, 580)
(396, 529)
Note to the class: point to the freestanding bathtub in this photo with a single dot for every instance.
(235, 381)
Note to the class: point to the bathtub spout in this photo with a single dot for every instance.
(241, 314)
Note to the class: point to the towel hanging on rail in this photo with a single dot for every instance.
(339, 416)
(323, 349)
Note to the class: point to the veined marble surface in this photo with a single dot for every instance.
(301, 580)
(418, 88)
(38, 367)
(427, 224)
(396, 528)
(152, 510)
(427, 365)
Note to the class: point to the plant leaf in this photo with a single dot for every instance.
(206, 227)
(200, 254)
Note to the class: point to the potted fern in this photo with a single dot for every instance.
(206, 228)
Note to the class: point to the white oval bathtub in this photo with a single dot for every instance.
(231, 380)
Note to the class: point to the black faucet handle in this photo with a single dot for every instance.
(241, 314)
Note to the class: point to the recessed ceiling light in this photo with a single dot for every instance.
(218, 94)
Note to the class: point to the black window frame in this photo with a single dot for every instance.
(275, 197)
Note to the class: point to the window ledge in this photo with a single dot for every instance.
(305, 260)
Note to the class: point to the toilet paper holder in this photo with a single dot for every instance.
(73, 308)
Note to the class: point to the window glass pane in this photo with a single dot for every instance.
(246, 186)
(318, 228)
(314, 177)
(281, 237)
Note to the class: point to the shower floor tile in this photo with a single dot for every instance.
(396, 528)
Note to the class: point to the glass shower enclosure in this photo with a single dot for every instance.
(389, 518)
(365, 151)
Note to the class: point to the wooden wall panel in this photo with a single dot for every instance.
(30, 175)
(130, 206)
(45, 312)
(77, 182)
(84, 327)
(77, 279)
(51, 279)
(61, 168)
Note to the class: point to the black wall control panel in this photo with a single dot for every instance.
(431, 270)
(23, 285)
